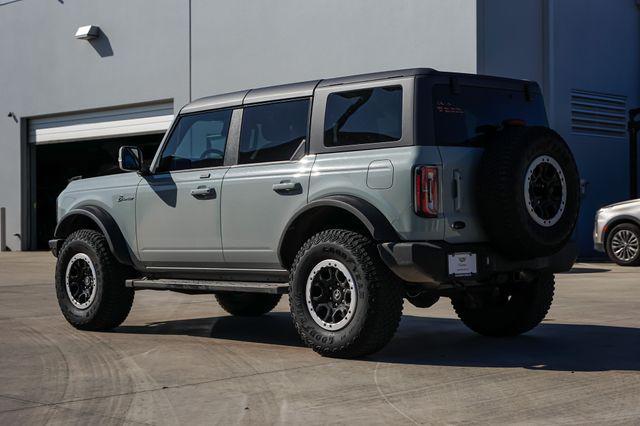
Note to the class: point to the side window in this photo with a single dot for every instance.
(363, 116)
(197, 141)
(273, 132)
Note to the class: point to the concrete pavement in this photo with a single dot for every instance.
(181, 359)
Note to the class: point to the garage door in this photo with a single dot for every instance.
(129, 121)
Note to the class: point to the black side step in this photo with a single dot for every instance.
(201, 286)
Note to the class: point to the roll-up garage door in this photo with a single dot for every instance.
(66, 147)
(117, 122)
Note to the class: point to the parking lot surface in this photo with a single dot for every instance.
(182, 359)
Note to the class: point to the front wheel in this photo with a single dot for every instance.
(90, 283)
(507, 310)
(344, 301)
(623, 245)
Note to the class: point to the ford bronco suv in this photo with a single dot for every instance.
(349, 194)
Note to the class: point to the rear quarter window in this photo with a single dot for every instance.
(364, 116)
(467, 117)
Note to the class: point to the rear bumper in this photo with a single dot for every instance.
(424, 262)
(54, 246)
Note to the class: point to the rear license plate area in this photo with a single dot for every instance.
(463, 264)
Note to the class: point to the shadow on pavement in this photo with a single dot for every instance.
(586, 270)
(446, 342)
(551, 346)
(275, 328)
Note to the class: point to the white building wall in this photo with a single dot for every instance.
(247, 43)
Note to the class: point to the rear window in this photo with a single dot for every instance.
(467, 117)
(363, 116)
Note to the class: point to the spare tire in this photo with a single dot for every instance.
(528, 191)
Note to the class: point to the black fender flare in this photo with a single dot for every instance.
(106, 223)
(376, 223)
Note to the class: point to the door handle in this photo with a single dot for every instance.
(287, 187)
(457, 178)
(204, 191)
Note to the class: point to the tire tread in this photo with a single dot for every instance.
(386, 300)
(116, 300)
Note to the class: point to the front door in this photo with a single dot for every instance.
(178, 205)
(268, 185)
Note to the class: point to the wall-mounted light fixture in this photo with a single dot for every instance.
(88, 32)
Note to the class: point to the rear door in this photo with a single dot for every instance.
(178, 206)
(464, 119)
(269, 183)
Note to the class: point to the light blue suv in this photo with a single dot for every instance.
(349, 194)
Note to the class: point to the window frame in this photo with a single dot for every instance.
(232, 135)
(293, 158)
(320, 105)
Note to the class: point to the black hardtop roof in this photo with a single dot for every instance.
(303, 89)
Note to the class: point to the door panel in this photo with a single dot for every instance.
(459, 193)
(269, 184)
(258, 201)
(178, 206)
(175, 226)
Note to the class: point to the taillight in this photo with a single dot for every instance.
(426, 191)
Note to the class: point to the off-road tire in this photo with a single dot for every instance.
(527, 307)
(379, 295)
(112, 301)
(501, 198)
(247, 304)
(635, 231)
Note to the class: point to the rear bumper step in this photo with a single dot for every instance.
(427, 262)
(201, 286)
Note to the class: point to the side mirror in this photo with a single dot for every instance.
(130, 159)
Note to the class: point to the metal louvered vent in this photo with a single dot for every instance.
(598, 114)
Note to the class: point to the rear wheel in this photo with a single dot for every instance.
(507, 310)
(247, 304)
(623, 245)
(344, 301)
(90, 283)
(420, 298)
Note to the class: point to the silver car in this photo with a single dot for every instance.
(617, 232)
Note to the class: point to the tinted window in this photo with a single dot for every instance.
(273, 132)
(466, 118)
(363, 116)
(197, 141)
